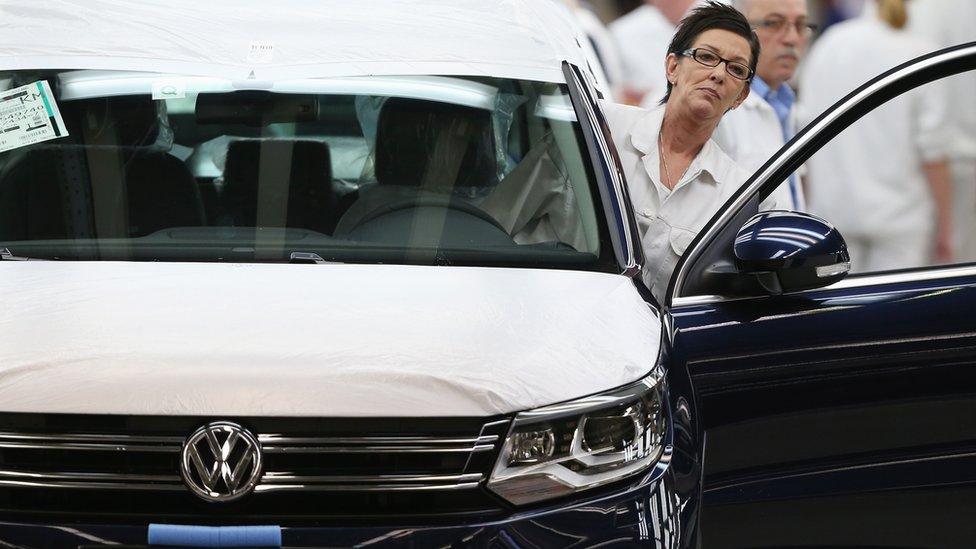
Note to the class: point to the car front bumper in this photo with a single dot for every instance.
(646, 515)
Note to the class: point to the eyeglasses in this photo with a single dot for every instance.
(712, 59)
(778, 25)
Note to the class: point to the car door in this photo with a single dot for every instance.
(837, 416)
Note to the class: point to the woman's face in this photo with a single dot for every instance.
(709, 92)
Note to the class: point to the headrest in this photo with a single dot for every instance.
(296, 174)
(432, 144)
(309, 159)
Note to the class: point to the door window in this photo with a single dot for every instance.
(900, 183)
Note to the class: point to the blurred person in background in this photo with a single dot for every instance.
(642, 38)
(678, 177)
(767, 119)
(604, 47)
(948, 23)
(884, 181)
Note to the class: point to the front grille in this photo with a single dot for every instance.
(129, 467)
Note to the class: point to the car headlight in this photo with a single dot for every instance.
(564, 448)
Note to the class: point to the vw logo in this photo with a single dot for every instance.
(221, 461)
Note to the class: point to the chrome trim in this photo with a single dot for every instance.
(854, 281)
(59, 437)
(283, 439)
(115, 477)
(827, 271)
(632, 268)
(590, 403)
(174, 444)
(104, 447)
(276, 443)
(90, 485)
(284, 477)
(372, 449)
(810, 133)
(859, 281)
(697, 300)
(211, 468)
(357, 488)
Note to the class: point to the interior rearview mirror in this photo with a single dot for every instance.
(790, 251)
(255, 108)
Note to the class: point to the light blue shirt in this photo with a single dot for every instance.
(782, 101)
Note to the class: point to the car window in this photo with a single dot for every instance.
(429, 170)
(900, 182)
(712, 269)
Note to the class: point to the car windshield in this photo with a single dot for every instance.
(103, 165)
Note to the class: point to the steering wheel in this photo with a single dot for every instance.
(451, 203)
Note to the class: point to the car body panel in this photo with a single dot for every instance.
(839, 416)
(832, 400)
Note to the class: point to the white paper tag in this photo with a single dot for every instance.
(29, 115)
(261, 52)
(168, 89)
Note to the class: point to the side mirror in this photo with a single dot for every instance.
(791, 251)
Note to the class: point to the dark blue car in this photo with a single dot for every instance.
(256, 302)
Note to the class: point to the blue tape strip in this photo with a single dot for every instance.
(47, 104)
(214, 536)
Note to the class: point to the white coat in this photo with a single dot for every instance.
(751, 134)
(643, 37)
(869, 179)
(948, 23)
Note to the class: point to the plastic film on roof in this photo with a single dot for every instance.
(524, 39)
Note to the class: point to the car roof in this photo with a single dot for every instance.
(525, 39)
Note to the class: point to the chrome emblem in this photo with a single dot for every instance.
(221, 461)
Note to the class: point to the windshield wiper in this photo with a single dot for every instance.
(7, 255)
(310, 257)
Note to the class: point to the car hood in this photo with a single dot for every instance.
(313, 340)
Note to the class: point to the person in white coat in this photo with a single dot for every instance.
(767, 119)
(601, 47)
(949, 23)
(676, 174)
(883, 181)
(642, 38)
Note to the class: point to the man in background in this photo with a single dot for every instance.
(767, 119)
(642, 37)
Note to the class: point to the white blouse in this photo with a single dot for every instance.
(669, 219)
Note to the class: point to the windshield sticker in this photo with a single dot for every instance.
(168, 89)
(29, 115)
(261, 52)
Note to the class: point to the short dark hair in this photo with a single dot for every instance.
(712, 15)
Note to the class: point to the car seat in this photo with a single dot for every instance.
(280, 183)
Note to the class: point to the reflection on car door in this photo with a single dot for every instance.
(844, 416)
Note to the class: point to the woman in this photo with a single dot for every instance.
(677, 176)
(884, 181)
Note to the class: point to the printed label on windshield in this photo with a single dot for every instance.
(29, 115)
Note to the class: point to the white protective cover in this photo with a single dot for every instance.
(313, 340)
(264, 41)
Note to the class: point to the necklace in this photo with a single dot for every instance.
(664, 161)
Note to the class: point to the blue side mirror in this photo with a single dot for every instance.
(791, 251)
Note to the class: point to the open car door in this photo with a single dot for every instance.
(836, 413)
